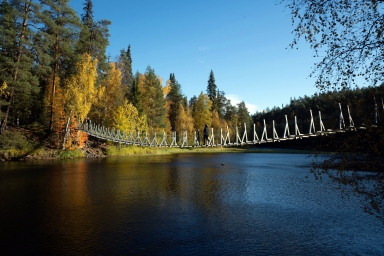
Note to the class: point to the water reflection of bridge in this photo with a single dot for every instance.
(223, 138)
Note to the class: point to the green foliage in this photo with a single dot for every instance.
(125, 66)
(212, 90)
(130, 150)
(15, 141)
(16, 58)
(94, 37)
(56, 42)
(135, 94)
(175, 98)
(68, 154)
(243, 115)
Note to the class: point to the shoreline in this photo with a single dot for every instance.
(103, 150)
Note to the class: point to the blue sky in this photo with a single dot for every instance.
(244, 42)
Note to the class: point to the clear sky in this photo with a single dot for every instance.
(244, 42)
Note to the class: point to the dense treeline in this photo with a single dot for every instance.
(361, 102)
(54, 69)
(360, 150)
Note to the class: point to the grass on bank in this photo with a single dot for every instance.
(113, 150)
(68, 154)
(14, 145)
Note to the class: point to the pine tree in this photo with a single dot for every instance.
(125, 66)
(175, 98)
(230, 114)
(243, 115)
(212, 91)
(221, 103)
(135, 96)
(94, 37)
(56, 42)
(16, 58)
(192, 103)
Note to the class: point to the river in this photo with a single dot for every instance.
(182, 204)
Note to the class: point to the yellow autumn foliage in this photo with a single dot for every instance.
(80, 91)
(216, 124)
(3, 88)
(109, 96)
(167, 88)
(202, 113)
(126, 119)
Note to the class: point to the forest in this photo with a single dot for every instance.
(54, 68)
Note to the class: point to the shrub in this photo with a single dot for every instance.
(14, 141)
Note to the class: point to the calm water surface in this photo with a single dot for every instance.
(188, 204)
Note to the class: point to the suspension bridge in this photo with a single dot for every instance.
(222, 138)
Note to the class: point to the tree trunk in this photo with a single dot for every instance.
(19, 53)
(55, 70)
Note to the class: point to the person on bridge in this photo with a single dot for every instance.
(88, 123)
(206, 131)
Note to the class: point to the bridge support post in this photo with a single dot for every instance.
(222, 142)
(312, 129)
(341, 119)
(275, 135)
(185, 139)
(164, 140)
(146, 141)
(376, 114)
(351, 124)
(237, 137)
(196, 141)
(286, 130)
(154, 141)
(255, 137)
(297, 131)
(322, 128)
(245, 136)
(211, 140)
(174, 142)
(264, 133)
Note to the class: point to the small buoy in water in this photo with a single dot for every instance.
(222, 163)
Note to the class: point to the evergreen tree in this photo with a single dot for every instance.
(243, 115)
(16, 58)
(221, 103)
(125, 66)
(230, 114)
(212, 91)
(192, 103)
(176, 98)
(134, 95)
(56, 42)
(94, 37)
